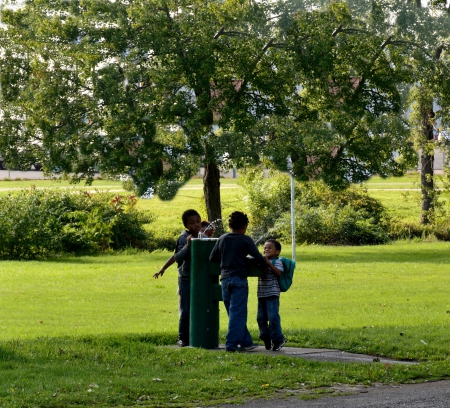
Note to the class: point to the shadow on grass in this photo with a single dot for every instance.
(405, 343)
(9, 355)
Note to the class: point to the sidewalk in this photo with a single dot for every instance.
(323, 355)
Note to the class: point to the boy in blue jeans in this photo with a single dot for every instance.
(231, 252)
(268, 316)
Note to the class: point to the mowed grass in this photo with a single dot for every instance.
(103, 184)
(101, 331)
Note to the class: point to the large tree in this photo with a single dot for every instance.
(426, 29)
(347, 119)
(415, 40)
(153, 88)
(138, 87)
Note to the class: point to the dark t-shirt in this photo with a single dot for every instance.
(231, 252)
(183, 256)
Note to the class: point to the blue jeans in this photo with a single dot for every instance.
(268, 318)
(184, 287)
(235, 296)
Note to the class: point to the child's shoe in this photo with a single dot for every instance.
(278, 346)
(267, 342)
(248, 348)
(182, 343)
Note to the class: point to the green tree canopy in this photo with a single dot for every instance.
(153, 88)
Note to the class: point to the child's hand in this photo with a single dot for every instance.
(188, 240)
(158, 274)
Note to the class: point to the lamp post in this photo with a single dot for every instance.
(291, 173)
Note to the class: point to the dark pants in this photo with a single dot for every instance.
(235, 295)
(268, 318)
(184, 287)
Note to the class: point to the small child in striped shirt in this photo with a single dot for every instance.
(268, 316)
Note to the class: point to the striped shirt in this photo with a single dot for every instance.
(268, 283)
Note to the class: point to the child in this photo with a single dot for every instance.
(231, 252)
(268, 317)
(207, 228)
(192, 222)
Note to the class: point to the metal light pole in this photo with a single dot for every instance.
(291, 173)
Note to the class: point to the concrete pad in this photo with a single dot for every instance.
(323, 355)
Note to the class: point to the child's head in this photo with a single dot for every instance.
(272, 248)
(208, 228)
(191, 220)
(238, 220)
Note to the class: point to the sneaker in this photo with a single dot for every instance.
(279, 346)
(230, 350)
(250, 347)
(267, 342)
(182, 343)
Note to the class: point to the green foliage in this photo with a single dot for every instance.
(323, 216)
(265, 200)
(401, 229)
(38, 223)
(442, 229)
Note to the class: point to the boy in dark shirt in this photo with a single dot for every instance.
(192, 222)
(231, 252)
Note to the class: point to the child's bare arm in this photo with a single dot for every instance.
(169, 262)
(275, 270)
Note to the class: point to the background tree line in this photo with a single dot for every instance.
(151, 89)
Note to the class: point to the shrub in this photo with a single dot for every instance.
(332, 225)
(39, 223)
(442, 230)
(323, 216)
(399, 229)
(266, 201)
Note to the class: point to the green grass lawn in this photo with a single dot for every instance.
(98, 330)
(54, 183)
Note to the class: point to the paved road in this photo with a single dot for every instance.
(425, 395)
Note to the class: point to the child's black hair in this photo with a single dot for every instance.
(276, 244)
(187, 214)
(237, 220)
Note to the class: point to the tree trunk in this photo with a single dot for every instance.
(211, 191)
(427, 168)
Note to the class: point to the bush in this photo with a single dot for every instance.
(332, 225)
(39, 223)
(323, 216)
(442, 230)
(399, 229)
(265, 201)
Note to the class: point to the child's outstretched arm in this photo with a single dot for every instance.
(169, 262)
